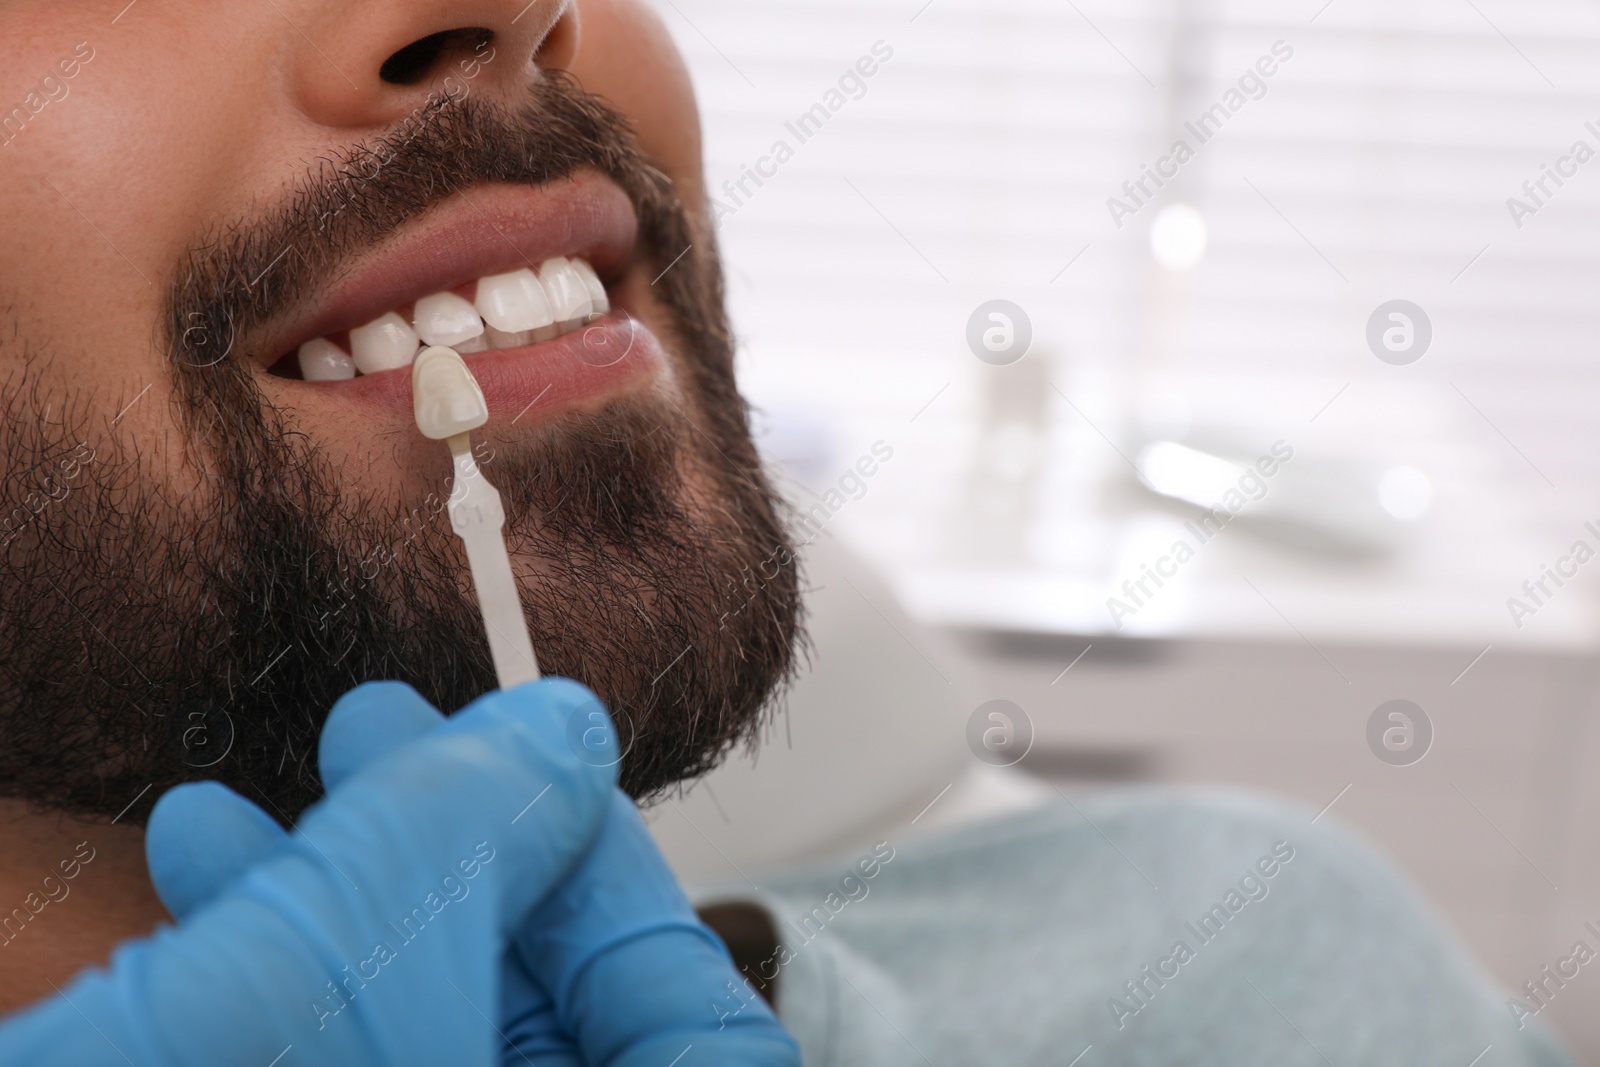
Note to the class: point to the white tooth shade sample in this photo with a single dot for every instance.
(323, 361)
(383, 344)
(591, 282)
(445, 396)
(569, 297)
(446, 319)
(513, 303)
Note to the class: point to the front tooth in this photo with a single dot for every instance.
(569, 296)
(591, 282)
(513, 303)
(446, 319)
(383, 344)
(323, 361)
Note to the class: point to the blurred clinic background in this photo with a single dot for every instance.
(1357, 314)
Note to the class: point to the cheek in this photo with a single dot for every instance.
(626, 55)
(112, 180)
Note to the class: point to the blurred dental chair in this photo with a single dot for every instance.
(870, 744)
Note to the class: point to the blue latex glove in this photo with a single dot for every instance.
(637, 978)
(375, 934)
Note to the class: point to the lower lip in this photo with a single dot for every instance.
(580, 369)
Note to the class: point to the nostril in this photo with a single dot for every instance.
(415, 61)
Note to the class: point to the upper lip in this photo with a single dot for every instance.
(478, 231)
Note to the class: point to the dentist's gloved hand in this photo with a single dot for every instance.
(632, 970)
(636, 978)
(375, 934)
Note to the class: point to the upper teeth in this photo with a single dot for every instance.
(507, 310)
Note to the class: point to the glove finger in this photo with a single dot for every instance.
(203, 835)
(368, 723)
(620, 930)
(532, 1033)
(498, 779)
(200, 837)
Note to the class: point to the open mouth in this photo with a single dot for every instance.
(493, 313)
(532, 285)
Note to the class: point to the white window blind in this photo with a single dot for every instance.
(1374, 163)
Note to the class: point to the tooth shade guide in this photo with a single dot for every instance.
(448, 406)
(446, 400)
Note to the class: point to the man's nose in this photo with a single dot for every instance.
(362, 63)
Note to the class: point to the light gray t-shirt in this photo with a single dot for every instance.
(1142, 927)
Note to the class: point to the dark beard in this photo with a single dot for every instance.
(151, 640)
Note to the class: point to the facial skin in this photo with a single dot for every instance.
(189, 519)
